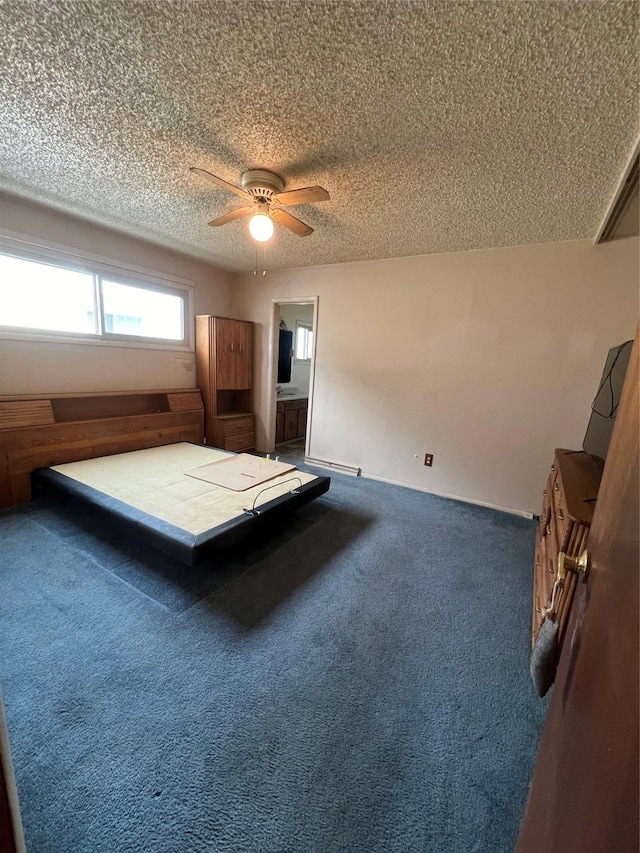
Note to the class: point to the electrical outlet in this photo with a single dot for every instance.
(428, 459)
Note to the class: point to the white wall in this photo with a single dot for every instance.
(487, 359)
(28, 367)
(300, 372)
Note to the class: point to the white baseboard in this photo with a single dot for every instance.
(519, 512)
(353, 471)
(333, 466)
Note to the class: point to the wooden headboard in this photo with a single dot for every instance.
(39, 430)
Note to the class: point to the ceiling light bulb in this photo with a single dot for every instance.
(261, 227)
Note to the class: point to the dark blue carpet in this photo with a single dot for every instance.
(357, 682)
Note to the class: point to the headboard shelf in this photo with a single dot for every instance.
(39, 430)
(92, 408)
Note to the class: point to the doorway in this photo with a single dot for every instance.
(294, 332)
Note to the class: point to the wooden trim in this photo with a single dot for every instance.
(16, 413)
(74, 394)
(219, 317)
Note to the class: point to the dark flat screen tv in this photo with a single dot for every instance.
(605, 404)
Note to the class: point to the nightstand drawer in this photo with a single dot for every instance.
(237, 425)
(240, 442)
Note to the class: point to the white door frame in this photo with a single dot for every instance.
(273, 365)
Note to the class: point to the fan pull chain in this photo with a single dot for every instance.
(264, 260)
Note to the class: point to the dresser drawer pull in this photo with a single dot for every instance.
(556, 487)
(560, 515)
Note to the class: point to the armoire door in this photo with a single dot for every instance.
(244, 354)
(224, 341)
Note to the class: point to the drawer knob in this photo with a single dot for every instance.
(560, 514)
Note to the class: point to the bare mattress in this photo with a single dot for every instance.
(165, 495)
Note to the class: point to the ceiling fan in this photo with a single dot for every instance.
(264, 190)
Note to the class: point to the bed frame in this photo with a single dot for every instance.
(41, 430)
(147, 495)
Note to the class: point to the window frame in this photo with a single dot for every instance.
(100, 268)
(302, 324)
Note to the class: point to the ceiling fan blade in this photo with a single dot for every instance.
(291, 222)
(220, 183)
(305, 195)
(235, 214)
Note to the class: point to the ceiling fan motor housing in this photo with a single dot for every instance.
(261, 184)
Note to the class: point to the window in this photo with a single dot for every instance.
(39, 296)
(46, 297)
(131, 310)
(304, 341)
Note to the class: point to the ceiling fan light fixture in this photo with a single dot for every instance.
(262, 188)
(261, 227)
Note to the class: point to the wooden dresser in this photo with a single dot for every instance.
(568, 502)
(224, 356)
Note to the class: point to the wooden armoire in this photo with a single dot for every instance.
(224, 356)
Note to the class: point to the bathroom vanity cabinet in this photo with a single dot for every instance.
(291, 418)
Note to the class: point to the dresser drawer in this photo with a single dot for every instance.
(561, 519)
(547, 508)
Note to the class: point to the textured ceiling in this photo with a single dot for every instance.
(435, 126)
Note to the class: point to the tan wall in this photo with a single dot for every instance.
(28, 367)
(487, 359)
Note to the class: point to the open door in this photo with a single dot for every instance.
(584, 792)
(294, 376)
